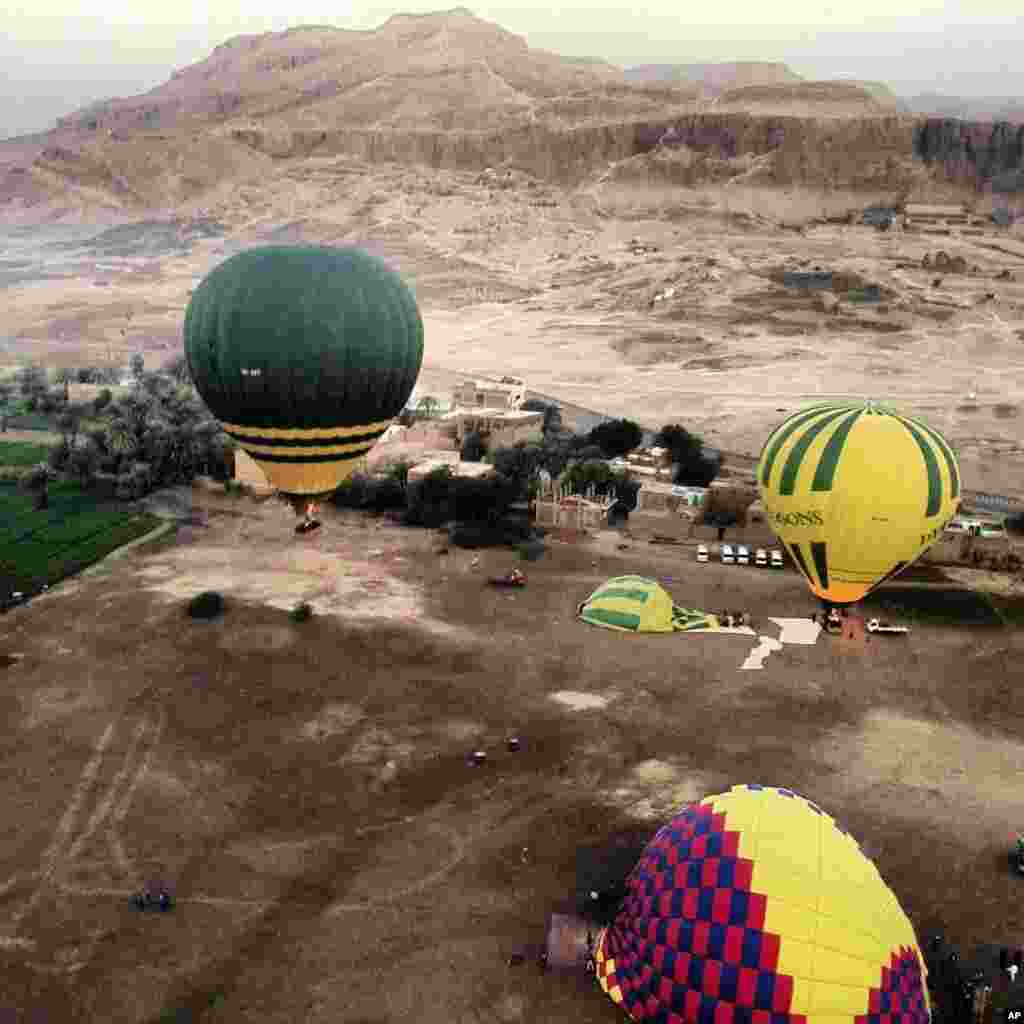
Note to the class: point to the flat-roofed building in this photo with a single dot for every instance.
(486, 394)
(506, 427)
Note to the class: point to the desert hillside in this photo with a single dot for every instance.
(449, 71)
(453, 92)
(824, 99)
(968, 108)
(715, 78)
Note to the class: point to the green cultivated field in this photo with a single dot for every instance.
(74, 532)
(22, 453)
(30, 421)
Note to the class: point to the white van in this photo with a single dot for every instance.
(702, 552)
(761, 558)
(743, 555)
(727, 558)
(776, 558)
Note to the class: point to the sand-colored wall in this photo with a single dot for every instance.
(248, 472)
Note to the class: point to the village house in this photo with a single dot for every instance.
(485, 394)
(504, 427)
(557, 507)
(648, 463)
(666, 509)
(451, 460)
(492, 408)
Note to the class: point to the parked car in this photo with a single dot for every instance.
(743, 555)
(702, 552)
(776, 558)
(761, 557)
(727, 556)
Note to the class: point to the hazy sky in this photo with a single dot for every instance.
(54, 60)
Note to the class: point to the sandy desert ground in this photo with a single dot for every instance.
(514, 276)
(304, 789)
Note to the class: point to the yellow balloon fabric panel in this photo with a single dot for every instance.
(856, 492)
(308, 461)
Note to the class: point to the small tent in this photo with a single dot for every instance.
(640, 605)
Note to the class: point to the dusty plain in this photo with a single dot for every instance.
(517, 277)
(303, 788)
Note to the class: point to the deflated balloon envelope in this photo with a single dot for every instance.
(856, 492)
(755, 907)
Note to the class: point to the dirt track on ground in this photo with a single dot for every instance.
(304, 788)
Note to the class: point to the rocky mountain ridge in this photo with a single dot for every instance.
(451, 91)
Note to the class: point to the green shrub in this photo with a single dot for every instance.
(105, 485)
(531, 550)
(302, 612)
(495, 534)
(384, 494)
(57, 456)
(127, 487)
(207, 605)
(23, 453)
(351, 493)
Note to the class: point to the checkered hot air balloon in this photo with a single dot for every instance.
(305, 354)
(755, 907)
(856, 492)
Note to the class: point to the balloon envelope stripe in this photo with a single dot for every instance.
(798, 557)
(799, 450)
(625, 620)
(826, 471)
(820, 556)
(340, 452)
(947, 454)
(785, 431)
(308, 458)
(931, 468)
(366, 439)
(629, 595)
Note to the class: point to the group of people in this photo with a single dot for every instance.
(960, 994)
(831, 618)
(733, 618)
(1011, 962)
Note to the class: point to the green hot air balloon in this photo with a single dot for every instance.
(305, 354)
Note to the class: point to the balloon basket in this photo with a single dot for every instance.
(567, 948)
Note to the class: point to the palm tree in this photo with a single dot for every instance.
(36, 481)
(427, 407)
(64, 377)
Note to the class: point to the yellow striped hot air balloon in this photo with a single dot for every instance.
(856, 492)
